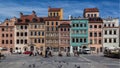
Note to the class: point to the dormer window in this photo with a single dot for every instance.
(7, 24)
(34, 20)
(27, 20)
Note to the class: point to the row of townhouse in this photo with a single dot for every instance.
(30, 32)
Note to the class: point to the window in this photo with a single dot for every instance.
(39, 33)
(104, 25)
(25, 27)
(105, 40)
(64, 29)
(35, 40)
(35, 26)
(110, 32)
(2, 35)
(42, 40)
(77, 25)
(21, 27)
(73, 40)
(35, 33)
(2, 41)
(10, 41)
(88, 15)
(90, 26)
(6, 41)
(91, 15)
(56, 28)
(52, 28)
(52, 23)
(81, 25)
(6, 35)
(39, 40)
(56, 23)
(25, 41)
(17, 33)
(85, 25)
(90, 41)
(110, 40)
(25, 33)
(85, 40)
(90, 34)
(100, 34)
(61, 29)
(21, 41)
(109, 25)
(10, 35)
(113, 25)
(47, 23)
(95, 34)
(68, 29)
(100, 41)
(99, 26)
(17, 41)
(81, 40)
(114, 40)
(42, 33)
(105, 32)
(3, 29)
(22, 34)
(73, 25)
(77, 40)
(94, 15)
(115, 32)
(77, 31)
(95, 26)
(31, 33)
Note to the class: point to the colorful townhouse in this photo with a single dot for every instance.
(95, 27)
(7, 35)
(78, 34)
(110, 32)
(51, 23)
(64, 36)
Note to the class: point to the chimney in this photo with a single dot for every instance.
(33, 12)
(21, 13)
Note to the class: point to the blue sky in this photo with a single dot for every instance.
(11, 8)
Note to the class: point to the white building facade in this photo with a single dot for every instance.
(110, 32)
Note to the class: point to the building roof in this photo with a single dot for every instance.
(64, 24)
(53, 9)
(91, 10)
(95, 20)
(25, 19)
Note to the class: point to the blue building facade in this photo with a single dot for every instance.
(78, 34)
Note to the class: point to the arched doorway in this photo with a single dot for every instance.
(11, 50)
(25, 48)
(84, 47)
(32, 48)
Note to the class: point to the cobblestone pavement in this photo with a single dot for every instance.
(25, 61)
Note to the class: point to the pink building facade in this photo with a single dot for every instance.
(64, 36)
(95, 35)
(7, 35)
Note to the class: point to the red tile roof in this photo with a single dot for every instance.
(91, 10)
(54, 9)
(95, 20)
